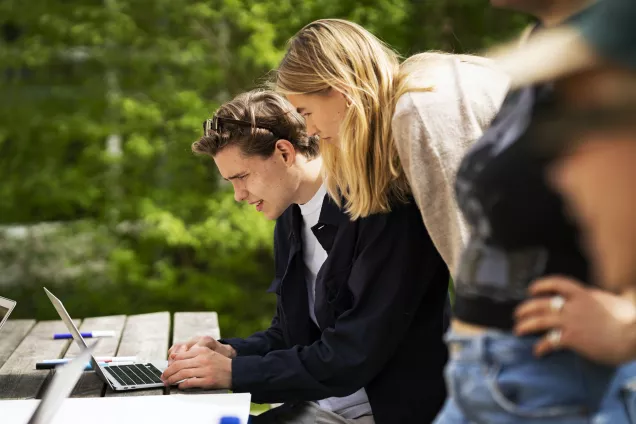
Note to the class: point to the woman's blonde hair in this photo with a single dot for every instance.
(364, 168)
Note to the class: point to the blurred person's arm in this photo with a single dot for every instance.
(630, 294)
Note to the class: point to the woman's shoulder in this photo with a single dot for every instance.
(434, 80)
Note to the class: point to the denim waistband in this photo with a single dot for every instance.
(505, 347)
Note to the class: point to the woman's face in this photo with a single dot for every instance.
(323, 113)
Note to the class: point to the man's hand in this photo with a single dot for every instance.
(200, 367)
(597, 324)
(205, 341)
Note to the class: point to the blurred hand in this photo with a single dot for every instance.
(596, 324)
(205, 341)
(200, 367)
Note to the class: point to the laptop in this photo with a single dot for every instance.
(133, 376)
(61, 387)
(6, 306)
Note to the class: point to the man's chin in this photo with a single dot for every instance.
(274, 211)
(271, 215)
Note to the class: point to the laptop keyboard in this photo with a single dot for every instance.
(135, 374)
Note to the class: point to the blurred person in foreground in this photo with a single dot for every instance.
(592, 134)
(362, 304)
(521, 232)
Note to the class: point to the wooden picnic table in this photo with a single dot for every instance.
(147, 336)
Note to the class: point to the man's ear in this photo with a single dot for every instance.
(286, 150)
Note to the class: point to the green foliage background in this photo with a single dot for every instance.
(144, 225)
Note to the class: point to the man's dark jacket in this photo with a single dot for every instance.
(382, 305)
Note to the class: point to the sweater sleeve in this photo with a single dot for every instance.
(433, 130)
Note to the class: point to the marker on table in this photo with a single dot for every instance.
(89, 334)
(97, 358)
(48, 364)
(52, 365)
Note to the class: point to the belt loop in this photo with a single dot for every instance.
(481, 347)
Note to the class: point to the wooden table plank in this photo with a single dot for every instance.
(90, 384)
(146, 337)
(11, 335)
(18, 377)
(187, 325)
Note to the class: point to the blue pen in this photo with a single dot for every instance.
(89, 334)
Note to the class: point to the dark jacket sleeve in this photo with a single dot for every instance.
(388, 278)
(260, 343)
(263, 342)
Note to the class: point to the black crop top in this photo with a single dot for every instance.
(519, 229)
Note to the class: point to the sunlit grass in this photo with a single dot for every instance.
(258, 408)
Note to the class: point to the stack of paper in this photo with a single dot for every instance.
(135, 410)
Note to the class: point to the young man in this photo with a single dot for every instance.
(362, 305)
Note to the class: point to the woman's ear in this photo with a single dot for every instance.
(341, 91)
(348, 101)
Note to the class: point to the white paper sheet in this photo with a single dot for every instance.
(202, 409)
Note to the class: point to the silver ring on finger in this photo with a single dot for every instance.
(557, 303)
(554, 336)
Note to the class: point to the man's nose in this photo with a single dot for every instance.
(240, 194)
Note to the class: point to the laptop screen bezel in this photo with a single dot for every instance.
(61, 387)
(72, 328)
(7, 304)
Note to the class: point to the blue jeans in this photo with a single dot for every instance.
(494, 378)
(619, 405)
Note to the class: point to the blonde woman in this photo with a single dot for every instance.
(389, 130)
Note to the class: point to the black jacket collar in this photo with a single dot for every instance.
(331, 217)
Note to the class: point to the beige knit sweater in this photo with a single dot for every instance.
(434, 129)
